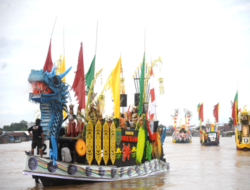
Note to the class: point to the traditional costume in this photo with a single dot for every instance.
(71, 125)
(80, 123)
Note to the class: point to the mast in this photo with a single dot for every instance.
(53, 28)
(95, 48)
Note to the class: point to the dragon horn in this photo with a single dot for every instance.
(64, 73)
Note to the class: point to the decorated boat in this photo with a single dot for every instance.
(209, 134)
(102, 149)
(182, 133)
(242, 130)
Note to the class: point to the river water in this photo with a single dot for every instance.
(192, 166)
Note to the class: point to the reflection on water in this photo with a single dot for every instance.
(192, 166)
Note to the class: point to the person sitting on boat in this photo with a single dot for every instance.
(71, 125)
(38, 138)
(134, 115)
(80, 123)
(65, 152)
(122, 122)
(93, 114)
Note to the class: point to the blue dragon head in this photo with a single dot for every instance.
(51, 92)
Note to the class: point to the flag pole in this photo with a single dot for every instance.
(53, 28)
(95, 48)
(96, 42)
(63, 43)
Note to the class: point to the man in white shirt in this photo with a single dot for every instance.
(66, 155)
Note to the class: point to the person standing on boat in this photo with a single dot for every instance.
(71, 125)
(37, 137)
(80, 124)
(65, 152)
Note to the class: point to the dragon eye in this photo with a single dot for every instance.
(56, 81)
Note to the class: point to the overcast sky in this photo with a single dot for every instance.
(204, 46)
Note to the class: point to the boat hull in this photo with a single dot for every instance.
(245, 146)
(181, 141)
(66, 173)
(212, 143)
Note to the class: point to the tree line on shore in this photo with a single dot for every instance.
(21, 126)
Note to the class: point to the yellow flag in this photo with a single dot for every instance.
(61, 69)
(114, 84)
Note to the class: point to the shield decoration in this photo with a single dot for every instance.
(118, 136)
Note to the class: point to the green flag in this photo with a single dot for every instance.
(90, 74)
(141, 85)
(198, 109)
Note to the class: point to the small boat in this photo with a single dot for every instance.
(209, 136)
(242, 130)
(182, 135)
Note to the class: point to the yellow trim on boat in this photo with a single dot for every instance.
(245, 145)
(173, 140)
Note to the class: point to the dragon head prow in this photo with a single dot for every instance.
(47, 86)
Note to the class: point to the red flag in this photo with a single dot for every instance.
(48, 62)
(201, 112)
(79, 81)
(235, 110)
(216, 112)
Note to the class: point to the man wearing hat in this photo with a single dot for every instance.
(37, 137)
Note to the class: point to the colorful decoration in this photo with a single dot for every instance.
(118, 153)
(129, 138)
(148, 151)
(140, 145)
(106, 143)
(51, 104)
(64, 170)
(118, 136)
(90, 93)
(98, 142)
(112, 143)
(89, 141)
(81, 147)
(133, 152)
(158, 137)
(175, 116)
(126, 152)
